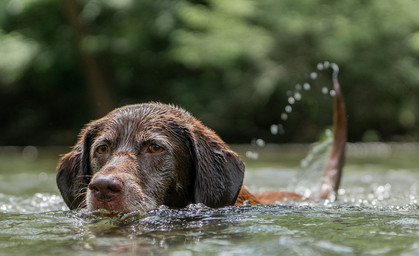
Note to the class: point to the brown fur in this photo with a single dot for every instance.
(141, 156)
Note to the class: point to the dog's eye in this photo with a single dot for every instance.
(155, 148)
(102, 149)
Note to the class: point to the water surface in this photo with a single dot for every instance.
(377, 212)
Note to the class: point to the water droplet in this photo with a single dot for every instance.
(332, 93)
(335, 67)
(252, 155)
(325, 90)
(30, 153)
(320, 66)
(289, 93)
(313, 75)
(298, 87)
(291, 100)
(328, 132)
(284, 116)
(281, 129)
(326, 64)
(288, 109)
(274, 129)
(297, 96)
(341, 192)
(260, 142)
(277, 129)
(306, 86)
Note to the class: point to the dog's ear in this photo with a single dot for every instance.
(73, 170)
(69, 177)
(219, 170)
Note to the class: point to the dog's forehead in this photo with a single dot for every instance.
(146, 120)
(151, 114)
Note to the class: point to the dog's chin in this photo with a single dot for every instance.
(118, 206)
(113, 206)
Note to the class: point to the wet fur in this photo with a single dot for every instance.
(195, 167)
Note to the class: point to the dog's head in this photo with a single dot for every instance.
(141, 156)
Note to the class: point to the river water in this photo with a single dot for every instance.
(377, 212)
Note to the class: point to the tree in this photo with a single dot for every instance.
(233, 64)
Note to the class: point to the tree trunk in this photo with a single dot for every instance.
(95, 76)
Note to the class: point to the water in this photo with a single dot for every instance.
(294, 96)
(377, 212)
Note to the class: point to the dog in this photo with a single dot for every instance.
(139, 157)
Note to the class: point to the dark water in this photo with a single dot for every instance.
(377, 212)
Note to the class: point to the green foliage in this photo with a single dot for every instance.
(219, 35)
(16, 54)
(231, 63)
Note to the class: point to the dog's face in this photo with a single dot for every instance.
(141, 156)
(139, 161)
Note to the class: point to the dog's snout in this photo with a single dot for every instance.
(106, 187)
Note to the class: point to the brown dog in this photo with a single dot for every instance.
(139, 157)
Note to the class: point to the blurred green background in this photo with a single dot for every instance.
(233, 64)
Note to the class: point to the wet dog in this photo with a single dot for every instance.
(139, 157)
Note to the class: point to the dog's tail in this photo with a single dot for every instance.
(332, 174)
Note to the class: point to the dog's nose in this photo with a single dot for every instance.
(106, 187)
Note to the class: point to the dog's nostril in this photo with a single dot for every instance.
(106, 187)
(114, 187)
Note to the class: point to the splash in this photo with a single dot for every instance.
(312, 166)
(296, 95)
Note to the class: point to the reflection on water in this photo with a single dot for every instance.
(377, 214)
(31, 204)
